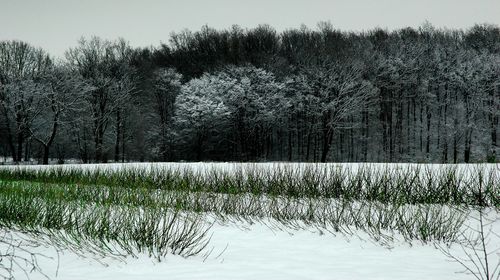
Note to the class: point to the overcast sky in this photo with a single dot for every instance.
(57, 24)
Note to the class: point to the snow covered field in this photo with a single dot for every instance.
(259, 252)
(326, 169)
(202, 166)
(262, 251)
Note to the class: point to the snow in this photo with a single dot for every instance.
(261, 252)
(232, 166)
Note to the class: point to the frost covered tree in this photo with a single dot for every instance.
(408, 95)
(20, 65)
(200, 109)
(57, 100)
(300, 112)
(341, 93)
(250, 98)
(20, 106)
(103, 64)
(167, 85)
(254, 102)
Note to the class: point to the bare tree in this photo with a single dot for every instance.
(167, 85)
(60, 97)
(341, 92)
(18, 255)
(19, 62)
(479, 244)
(101, 63)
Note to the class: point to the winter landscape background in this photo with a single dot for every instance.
(423, 94)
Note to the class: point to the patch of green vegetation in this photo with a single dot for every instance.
(160, 210)
(406, 185)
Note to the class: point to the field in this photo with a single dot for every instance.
(264, 220)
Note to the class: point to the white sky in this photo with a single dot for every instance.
(56, 25)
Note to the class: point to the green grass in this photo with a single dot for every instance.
(133, 229)
(160, 210)
(407, 185)
(413, 222)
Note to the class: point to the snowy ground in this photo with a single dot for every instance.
(202, 167)
(231, 165)
(263, 253)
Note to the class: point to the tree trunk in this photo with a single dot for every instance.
(428, 142)
(365, 136)
(494, 124)
(327, 141)
(27, 150)
(468, 143)
(117, 139)
(10, 140)
(455, 148)
(123, 146)
(315, 150)
(445, 137)
(290, 145)
(199, 147)
(20, 142)
(45, 160)
(421, 129)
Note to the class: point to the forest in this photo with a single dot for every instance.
(423, 95)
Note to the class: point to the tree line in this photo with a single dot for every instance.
(409, 95)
